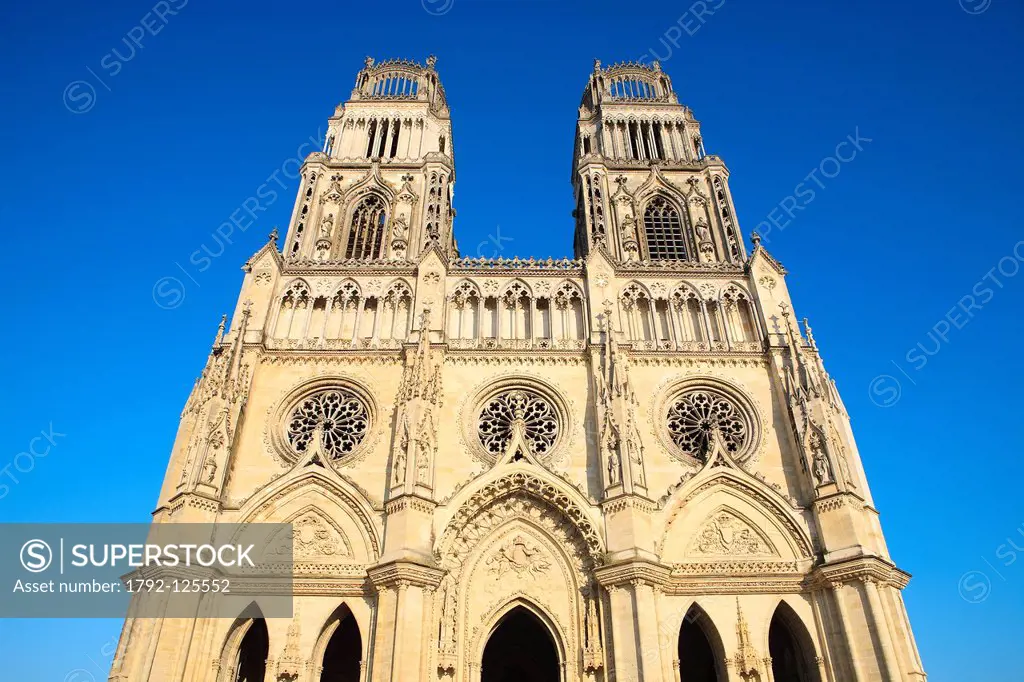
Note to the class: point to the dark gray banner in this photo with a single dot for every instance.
(166, 570)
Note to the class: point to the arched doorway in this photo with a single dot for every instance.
(697, 660)
(344, 650)
(791, 648)
(520, 649)
(252, 653)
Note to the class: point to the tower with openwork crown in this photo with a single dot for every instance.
(630, 465)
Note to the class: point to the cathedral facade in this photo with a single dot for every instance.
(626, 466)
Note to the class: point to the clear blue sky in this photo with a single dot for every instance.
(100, 205)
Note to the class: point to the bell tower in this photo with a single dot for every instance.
(381, 189)
(645, 189)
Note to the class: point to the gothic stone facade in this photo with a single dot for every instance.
(631, 465)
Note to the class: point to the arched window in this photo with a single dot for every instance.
(664, 231)
(366, 236)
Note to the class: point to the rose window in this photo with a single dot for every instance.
(519, 410)
(695, 415)
(340, 414)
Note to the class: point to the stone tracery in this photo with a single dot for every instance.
(521, 409)
(660, 255)
(697, 414)
(339, 415)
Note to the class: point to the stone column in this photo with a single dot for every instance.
(400, 629)
(635, 642)
(844, 618)
(625, 659)
(889, 660)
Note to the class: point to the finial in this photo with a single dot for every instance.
(272, 237)
(656, 65)
(597, 65)
(220, 330)
(785, 309)
(810, 335)
(368, 61)
(755, 238)
(431, 60)
(246, 308)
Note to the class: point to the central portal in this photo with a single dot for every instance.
(520, 650)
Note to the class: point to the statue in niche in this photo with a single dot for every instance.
(399, 467)
(634, 452)
(614, 465)
(424, 446)
(590, 596)
(326, 226)
(819, 465)
(703, 232)
(448, 619)
(399, 227)
(210, 468)
(610, 445)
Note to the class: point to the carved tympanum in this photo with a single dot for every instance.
(725, 534)
(520, 556)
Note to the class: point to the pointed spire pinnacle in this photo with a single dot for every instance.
(220, 331)
(810, 335)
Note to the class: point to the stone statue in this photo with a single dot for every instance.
(703, 233)
(326, 226)
(614, 465)
(399, 227)
(210, 468)
(399, 467)
(819, 464)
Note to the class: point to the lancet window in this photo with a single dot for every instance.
(366, 234)
(663, 231)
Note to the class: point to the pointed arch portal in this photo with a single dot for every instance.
(791, 648)
(519, 649)
(344, 650)
(252, 653)
(697, 660)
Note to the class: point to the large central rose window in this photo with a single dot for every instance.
(342, 419)
(518, 409)
(694, 416)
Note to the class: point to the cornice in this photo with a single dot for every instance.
(330, 357)
(191, 500)
(868, 568)
(409, 501)
(622, 502)
(349, 268)
(403, 574)
(717, 584)
(633, 571)
(689, 268)
(518, 266)
(328, 163)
